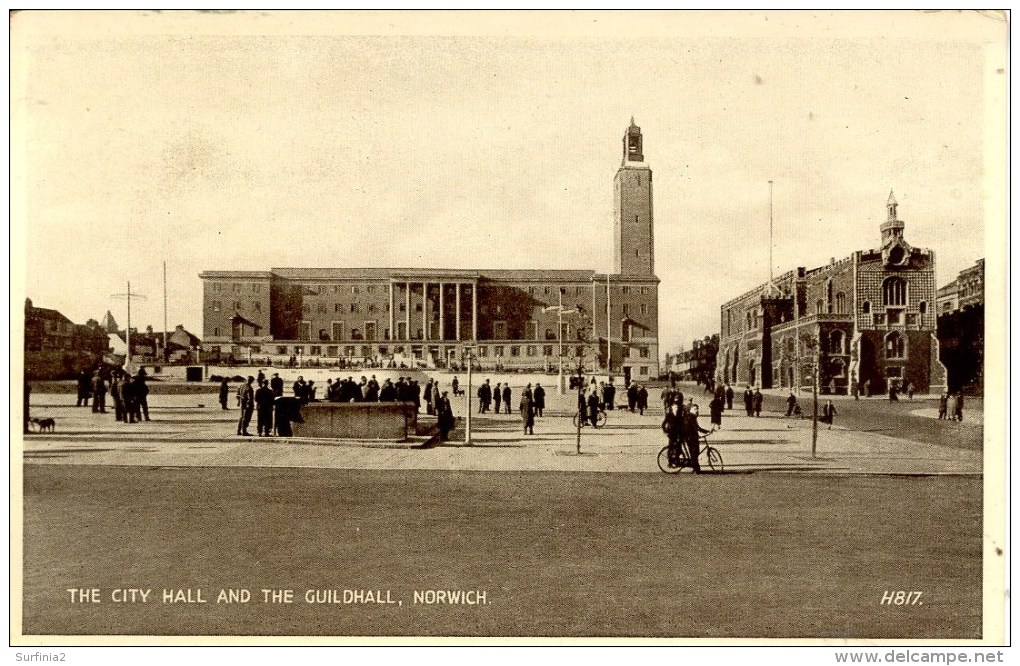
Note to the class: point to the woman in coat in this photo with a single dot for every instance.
(528, 413)
(715, 409)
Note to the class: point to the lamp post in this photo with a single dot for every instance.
(561, 384)
(127, 335)
(468, 349)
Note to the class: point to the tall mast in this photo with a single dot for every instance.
(166, 355)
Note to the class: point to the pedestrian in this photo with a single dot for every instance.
(84, 388)
(610, 395)
(444, 416)
(715, 409)
(539, 399)
(497, 396)
(142, 394)
(893, 397)
(867, 388)
(943, 406)
(127, 395)
(593, 408)
(264, 403)
(528, 412)
(224, 392)
(507, 394)
(958, 406)
(288, 410)
(856, 390)
(631, 396)
(692, 436)
(828, 413)
(673, 426)
(276, 384)
(298, 388)
(248, 407)
(98, 393)
(748, 400)
(642, 399)
(910, 390)
(729, 397)
(118, 402)
(756, 401)
(791, 405)
(455, 385)
(429, 408)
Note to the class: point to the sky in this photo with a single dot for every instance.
(258, 140)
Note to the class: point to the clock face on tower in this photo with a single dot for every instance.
(896, 255)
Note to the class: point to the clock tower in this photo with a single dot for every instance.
(632, 216)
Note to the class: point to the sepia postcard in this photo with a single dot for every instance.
(518, 327)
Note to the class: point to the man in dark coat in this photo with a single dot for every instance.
(828, 413)
(593, 408)
(791, 404)
(748, 400)
(142, 394)
(610, 395)
(247, 408)
(692, 436)
(84, 388)
(729, 397)
(224, 393)
(98, 393)
(497, 396)
(127, 396)
(507, 394)
(673, 426)
(756, 403)
(631, 396)
(528, 413)
(642, 399)
(118, 401)
(715, 409)
(444, 416)
(388, 393)
(539, 399)
(484, 395)
(276, 384)
(264, 403)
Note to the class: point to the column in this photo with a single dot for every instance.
(407, 310)
(457, 310)
(441, 329)
(474, 311)
(425, 309)
(393, 331)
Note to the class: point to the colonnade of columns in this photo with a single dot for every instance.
(425, 321)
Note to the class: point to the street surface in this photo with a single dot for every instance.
(783, 544)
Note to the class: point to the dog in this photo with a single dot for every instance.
(45, 425)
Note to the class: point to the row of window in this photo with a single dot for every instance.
(219, 287)
(237, 306)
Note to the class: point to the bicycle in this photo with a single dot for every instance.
(715, 461)
(580, 422)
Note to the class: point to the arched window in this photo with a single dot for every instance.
(828, 296)
(894, 291)
(895, 345)
(866, 307)
(819, 306)
(840, 303)
(922, 307)
(836, 340)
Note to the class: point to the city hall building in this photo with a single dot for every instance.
(511, 319)
(869, 319)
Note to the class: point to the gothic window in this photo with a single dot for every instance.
(922, 307)
(895, 345)
(840, 303)
(866, 307)
(828, 296)
(836, 340)
(819, 306)
(894, 291)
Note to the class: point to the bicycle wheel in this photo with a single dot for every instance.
(601, 420)
(714, 459)
(664, 464)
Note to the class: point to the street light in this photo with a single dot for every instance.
(562, 388)
(468, 349)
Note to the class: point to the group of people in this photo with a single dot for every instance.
(275, 412)
(951, 406)
(129, 393)
(681, 426)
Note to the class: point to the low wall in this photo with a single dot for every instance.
(357, 420)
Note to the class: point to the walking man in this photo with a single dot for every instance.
(497, 395)
(539, 399)
(729, 397)
(791, 404)
(507, 394)
(828, 413)
(748, 399)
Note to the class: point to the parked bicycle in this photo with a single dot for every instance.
(671, 465)
(600, 420)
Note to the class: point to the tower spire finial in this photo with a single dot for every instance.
(632, 123)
